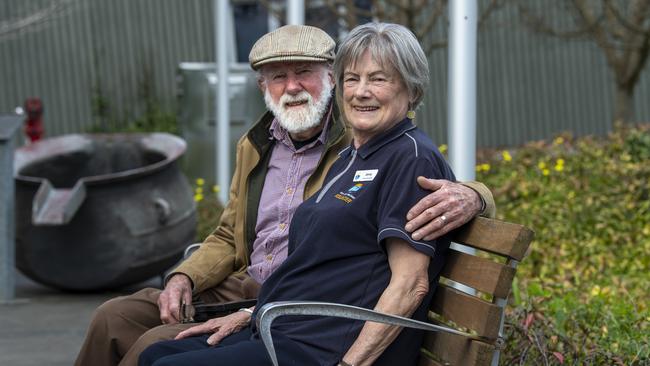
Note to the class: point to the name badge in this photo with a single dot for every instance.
(365, 175)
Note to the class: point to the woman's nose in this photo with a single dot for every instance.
(362, 91)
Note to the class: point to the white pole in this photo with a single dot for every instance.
(222, 132)
(295, 12)
(462, 87)
(463, 28)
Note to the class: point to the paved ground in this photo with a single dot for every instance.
(46, 327)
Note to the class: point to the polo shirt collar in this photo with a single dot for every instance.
(380, 140)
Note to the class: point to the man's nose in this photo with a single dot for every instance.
(293, 85)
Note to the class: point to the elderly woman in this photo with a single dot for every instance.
(346, 243)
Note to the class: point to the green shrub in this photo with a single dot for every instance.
(582, 294)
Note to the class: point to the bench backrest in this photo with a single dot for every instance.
(480, 311)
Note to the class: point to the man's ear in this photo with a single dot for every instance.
(261, 84)
(331, 77)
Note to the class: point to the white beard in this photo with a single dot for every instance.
(301, 119)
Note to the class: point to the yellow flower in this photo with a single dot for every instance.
(442, 148)
(541, 165)
(604, 329)
(546, 172)
(559, 167)
(571, 195)
(198, 197)
(198, 190)
(215, 188)
(558, 141)
(506, 155)
(595, 291)
(485, 167)
(559, 161)
(200, 181)
(646, 231)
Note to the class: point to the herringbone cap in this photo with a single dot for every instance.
(292, 43)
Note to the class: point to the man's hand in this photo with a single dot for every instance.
(178, 288)
(221, 327)
(449, 206)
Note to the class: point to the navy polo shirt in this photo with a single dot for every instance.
(337, 242)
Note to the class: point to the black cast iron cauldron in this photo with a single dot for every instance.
(102, 211)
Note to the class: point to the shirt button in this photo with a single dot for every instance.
(269, 257)
(289, 190)
(282, 226)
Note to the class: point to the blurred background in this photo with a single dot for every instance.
(562, 131)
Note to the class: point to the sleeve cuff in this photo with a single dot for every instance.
(393, 232)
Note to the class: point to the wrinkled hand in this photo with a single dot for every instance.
(178, 288)
(221, 327)
(449, 206)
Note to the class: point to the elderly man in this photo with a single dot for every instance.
(281, 161)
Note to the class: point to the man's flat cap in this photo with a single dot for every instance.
(292, 43)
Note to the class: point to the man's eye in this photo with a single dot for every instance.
(278, 76)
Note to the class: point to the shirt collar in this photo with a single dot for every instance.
(377, 142)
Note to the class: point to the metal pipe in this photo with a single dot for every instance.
(222, 114)
(463, 27)
(295, 12)
(8, 127)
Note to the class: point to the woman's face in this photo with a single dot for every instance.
(374, 98)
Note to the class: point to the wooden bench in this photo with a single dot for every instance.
(477, 314)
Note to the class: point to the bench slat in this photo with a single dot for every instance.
(495, 236)
(467, 311)
(482, 274)
(457, 350)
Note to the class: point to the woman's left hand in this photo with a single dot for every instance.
(221, 327)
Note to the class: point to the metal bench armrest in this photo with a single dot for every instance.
(270, 311)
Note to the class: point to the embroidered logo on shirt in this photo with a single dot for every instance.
(348, 197)
(365, 175)
(356, 187)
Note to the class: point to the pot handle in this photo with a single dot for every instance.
(52, 206)
(163, 209)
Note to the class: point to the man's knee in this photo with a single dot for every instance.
(107, 312)
(157, 334)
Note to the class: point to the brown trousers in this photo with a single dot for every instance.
(123, 327)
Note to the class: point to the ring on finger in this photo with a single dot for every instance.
(443, 218)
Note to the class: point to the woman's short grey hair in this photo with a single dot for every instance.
(388, 44)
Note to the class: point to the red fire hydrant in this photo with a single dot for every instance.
(34, 119)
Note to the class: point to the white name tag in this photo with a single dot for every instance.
(365, 175)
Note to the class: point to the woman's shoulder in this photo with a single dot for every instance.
(416, 144)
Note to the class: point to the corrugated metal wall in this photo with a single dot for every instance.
(90, 51)
(532, 86)
(94, 53)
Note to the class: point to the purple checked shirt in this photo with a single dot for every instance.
(283, 191)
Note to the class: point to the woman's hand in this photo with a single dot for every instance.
(221, 327)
